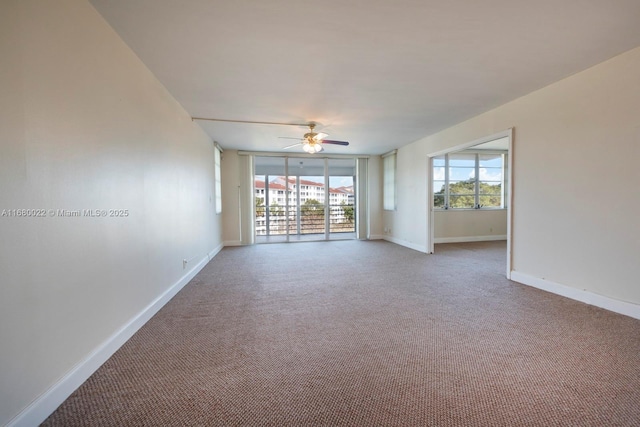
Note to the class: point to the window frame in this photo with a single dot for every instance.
(217, 177)
(477, 181)
(389, 181)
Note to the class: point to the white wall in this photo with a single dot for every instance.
(470, 225)
(407, 225)
(84, 125)
(576, 151)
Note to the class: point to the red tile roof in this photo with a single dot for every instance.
(272, 185)
(275, 186)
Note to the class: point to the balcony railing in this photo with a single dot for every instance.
(273, 220)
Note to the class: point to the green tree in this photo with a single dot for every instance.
(275, 210)
(260, 208)
(347, 211)
(490, 195)
(312, 216)
(438, 198)
(462, 195)
(312, 207)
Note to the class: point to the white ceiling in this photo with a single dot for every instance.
(377, 73)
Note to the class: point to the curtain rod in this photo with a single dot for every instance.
(251, 122)
(311, 156)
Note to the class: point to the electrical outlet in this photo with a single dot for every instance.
(184, 264)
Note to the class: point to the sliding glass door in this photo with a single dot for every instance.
(305, 198)
(342, 198)
(271, 199)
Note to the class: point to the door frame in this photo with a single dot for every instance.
(326, 159)
(508, 133)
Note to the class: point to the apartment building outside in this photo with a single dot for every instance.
(301, 203)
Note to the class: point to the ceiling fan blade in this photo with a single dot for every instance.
(328, 141)
(291, 146)
(320, 135)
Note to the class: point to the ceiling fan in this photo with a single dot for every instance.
(312, 141)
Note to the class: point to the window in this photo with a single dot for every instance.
(468, 180)
(491, 180)
(218, 185)
(389, 177)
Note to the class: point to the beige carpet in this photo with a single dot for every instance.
(366, 334)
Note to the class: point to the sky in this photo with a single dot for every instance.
(340, 181)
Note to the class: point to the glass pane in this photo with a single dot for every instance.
(389, 182)
(490, 160)
(490, 201)
(490, 188)
(277, 218)
(218, 181)
(463, 160)
(462, 187)
(270, 199)
(342, 221)
(487, 177)
(438, 182)
(306, 200)
(462, 194)
(261, 222)
(311, 204)
(460, 173)
(461, 202)
(491, 174)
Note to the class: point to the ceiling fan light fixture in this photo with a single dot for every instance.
(311, 147)
(312, 142)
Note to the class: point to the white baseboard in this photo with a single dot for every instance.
(469, 239)
(232, 243)
(215, 251)
(45, 404)
(406, 244)
(617, 306)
